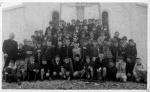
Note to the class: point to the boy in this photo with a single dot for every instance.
(131, 52)
(67, 68)
(33, 69)
(11, 73)
(57, 64)
(77, 67)
(88, 68)
(100, 67)
(94, 50)
(21, 64)
(121, 69)
(139, 72)
(76, 50)
(45, 73)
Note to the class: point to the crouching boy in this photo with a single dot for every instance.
(56, 64)
(121, 70)
(139, 73)
(11, 73)
(100, 67)
(67, 68)
(45, 72)
(33, 69)
(88, 68)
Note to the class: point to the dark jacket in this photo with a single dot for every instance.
(56, 66)
(77, 65)
(10, 47)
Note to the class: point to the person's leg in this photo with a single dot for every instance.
(124, 77)
(42, 74)
(91, 72)
(54, 75)
(99, 72)
(68, 75)
(76, 74)
(104, 73)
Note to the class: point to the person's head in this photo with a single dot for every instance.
(25, 41)
(32, 59)
(67, 42)
(76, 45)
(57, 58)
(117, 34)
(88, 60)
(41, 32)
(131, 42)
(38, 45)
(11, 36)
(20, 45)
(124, 38)
(85, 21)
(73, 22)
(66, 60)
(94, 43)
(138, 61)
(94, 28)
(77, 58)
(85, 27)
(120, 59)
(49, 43)
(60, 43)
(101, 55)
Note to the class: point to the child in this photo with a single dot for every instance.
(67, 68)
(131, 52)
(33, 69)
(45, 72)
(67, 49)
(94, 51)
(121, 69)
(57, 67)
(111, 70)
(76, 50)
(88, 68)
(11, 73)
(77, 67)
(100, 67)
(139, 73)
(21, 64)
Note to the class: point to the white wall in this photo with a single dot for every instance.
(129, 19)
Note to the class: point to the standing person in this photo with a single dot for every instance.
(116, 36)
(10, 49)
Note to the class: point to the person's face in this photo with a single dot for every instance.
(67, 42)
(57, 59)
(88, 60)
(59, 43)
(38, 45)
(49, 43)
(77, 58)
(116, 34)
(20, 46)
(66, 61)
(85, 27)
(11, 36)
(101, 56)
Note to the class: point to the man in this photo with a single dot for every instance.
(10, 49)
(116, 36)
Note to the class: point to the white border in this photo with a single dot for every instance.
(106, 1)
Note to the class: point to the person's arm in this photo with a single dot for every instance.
(4, 48)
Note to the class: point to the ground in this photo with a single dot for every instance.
(73, 84)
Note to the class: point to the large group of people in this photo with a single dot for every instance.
(76, 50)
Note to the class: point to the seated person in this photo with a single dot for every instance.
(88, 68)
(56, 64)
(77, 67)
(67, 68)
(45, 72)
(111, 70)
(33, 69)
(121, 69)
(10, 73)
(139, 72)
(100, 67)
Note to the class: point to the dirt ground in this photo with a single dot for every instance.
(73, 84)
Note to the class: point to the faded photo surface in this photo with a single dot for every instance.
(55, 45)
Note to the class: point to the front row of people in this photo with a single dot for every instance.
(101, 69)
